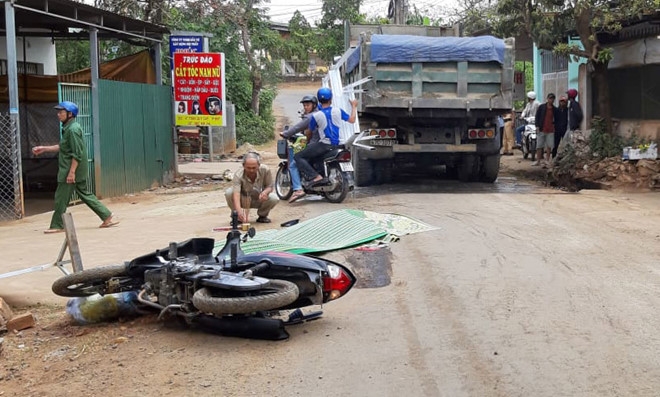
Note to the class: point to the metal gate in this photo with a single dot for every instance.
(11, 192)
(81, 95)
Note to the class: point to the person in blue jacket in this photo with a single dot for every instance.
(327, 120)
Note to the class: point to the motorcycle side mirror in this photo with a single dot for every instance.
(252, 232)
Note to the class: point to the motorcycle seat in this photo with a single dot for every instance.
(333, 153)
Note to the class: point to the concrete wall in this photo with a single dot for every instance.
(646, 129)
(38, 50)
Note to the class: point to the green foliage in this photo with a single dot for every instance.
(335, 13)
(258, 130)
(225, 22)
(297, 47)
(419, 16)
(528, 68)
(253, 129)
(72, 55)
(603, 145)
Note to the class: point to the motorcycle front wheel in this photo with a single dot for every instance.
(99, 280)
(278, 293)
(339, 194)
(283, 187)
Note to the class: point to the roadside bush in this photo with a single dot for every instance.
(257, 129)
(604, 145)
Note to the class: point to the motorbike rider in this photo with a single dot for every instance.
(529, 111)
(327, 120)
(309, 106)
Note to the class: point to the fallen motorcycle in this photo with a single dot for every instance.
(231, 293)
(335, 167)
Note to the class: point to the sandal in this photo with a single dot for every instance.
(297, 195)
(263, 219)
(108, 222)
(51, 231)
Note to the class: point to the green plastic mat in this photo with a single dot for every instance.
(332, 231)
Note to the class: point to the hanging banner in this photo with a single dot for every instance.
(199, 89)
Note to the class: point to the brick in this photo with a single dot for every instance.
(21, 322)
(5, 313)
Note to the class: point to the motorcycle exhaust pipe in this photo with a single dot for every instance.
(243, 327)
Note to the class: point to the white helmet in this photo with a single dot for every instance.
(531, 95)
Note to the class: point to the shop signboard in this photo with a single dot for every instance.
(199, 89)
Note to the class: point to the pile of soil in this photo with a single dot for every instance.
(577, 168)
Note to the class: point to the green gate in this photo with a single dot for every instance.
(135, 135)
(81, 95)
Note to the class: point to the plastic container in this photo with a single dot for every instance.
(97, 308)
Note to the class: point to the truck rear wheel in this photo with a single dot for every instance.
(490, 167)
(363, 169)
(383, 171)
(468, 169)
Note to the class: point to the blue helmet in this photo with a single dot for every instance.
(324, 94)
(69, 107)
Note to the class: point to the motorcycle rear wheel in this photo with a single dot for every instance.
(278, 293)
(283, 186)
(339, 194)
(92, 281)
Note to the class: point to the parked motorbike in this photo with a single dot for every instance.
(335, 167)
(232, 293)
(528, 145)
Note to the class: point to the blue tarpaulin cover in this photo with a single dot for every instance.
(354, 59)
(406, 48)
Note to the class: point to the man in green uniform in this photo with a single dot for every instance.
(72, 169)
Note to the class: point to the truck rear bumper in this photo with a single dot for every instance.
(435, 148)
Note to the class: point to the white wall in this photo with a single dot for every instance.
(38, 50)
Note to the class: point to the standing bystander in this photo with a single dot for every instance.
(72, 171)
(507, 133)
(545, 124)
(561, 123)
(574, 110)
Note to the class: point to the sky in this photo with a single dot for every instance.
(282, 10)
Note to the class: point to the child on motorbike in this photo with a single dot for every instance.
(309, 106)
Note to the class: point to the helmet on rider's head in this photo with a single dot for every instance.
(572, 93)
(310, 98)
(69, 107)
(531, 95)
(324, 94)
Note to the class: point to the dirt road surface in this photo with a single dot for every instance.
(523, 291)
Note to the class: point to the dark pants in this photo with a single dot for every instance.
(63, 196)
(559, 134)
(519, 134)
(309, 155)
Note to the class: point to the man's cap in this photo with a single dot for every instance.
(551, 95)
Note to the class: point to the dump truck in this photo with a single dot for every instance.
(427, 98)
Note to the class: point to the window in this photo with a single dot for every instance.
(552, 63)
(23, 68)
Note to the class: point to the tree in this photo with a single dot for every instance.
(549, 22)
(240, 32)
(256, 38)
(335, 14)
(301, 41)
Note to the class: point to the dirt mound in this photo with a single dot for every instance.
(576, 167)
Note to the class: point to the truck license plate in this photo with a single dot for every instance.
(383, 142)
(346, 167)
